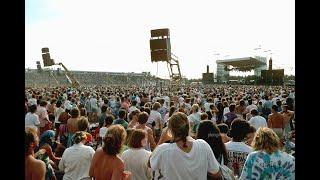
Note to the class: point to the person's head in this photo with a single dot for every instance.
(134, 103)
(79, 136)
(114, 139)
(223, 128)
(33, 108)
(209, 113)
(59, 150)
(242, 103)
(179, 127)
(43, 103)
(266, 140)
(250, 101)
(104, 108)
(31, 140)
(108, 120)
(58, 104)
(75, 113)
(204, 116)
(83, 112)
(225, 104)
(83, 124)
(122, 113)
(250, 135)
(147, 110)
(274, 108)
(279, 103)
(135, 114)
(181, 109)
(138, 139)
(195, 108)
(254, 112)
(211, 134)
(53, 101)
(47, 138)
(239, 129)
(156, 106)
(143, 117)
(232, 107)
(172, 110)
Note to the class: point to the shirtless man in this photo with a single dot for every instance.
(276, 121)
(288, 116)
(34, 169)
(72, 124)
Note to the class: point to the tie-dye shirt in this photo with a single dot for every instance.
(261, 165)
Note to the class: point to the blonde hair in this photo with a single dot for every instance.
(195, 108)
(266, 139)
(79, 136)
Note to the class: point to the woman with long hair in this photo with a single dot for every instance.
(211, 134)
(267, 161)
(106, 164)
(184, 157)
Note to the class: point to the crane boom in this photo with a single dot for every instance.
(74, 82)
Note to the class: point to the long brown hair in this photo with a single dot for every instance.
(136, 137)
(179, 127)
(114, 139)
(211, 134)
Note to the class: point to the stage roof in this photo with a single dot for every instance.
(242, 62)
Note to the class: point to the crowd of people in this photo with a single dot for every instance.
(152, 132)
(46, 77)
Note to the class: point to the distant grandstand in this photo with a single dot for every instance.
(47, 77)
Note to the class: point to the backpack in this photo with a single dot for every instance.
(226, 173)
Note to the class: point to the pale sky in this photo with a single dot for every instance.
(113, 35)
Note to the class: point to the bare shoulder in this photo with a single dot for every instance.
(99, 151)
(39, 164)
(118, 162)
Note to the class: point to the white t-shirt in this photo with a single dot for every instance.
(138, 100)
(179, 165)
(32, 120)
(258, 121)
(237, 153)
(57, 113)
(226, 110)
(43, 114)
(155, 116)
(215, 100)
(166, 101)
(103, 132)
(135, 161)
(76, 161)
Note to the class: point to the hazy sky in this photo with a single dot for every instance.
(113, 35)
